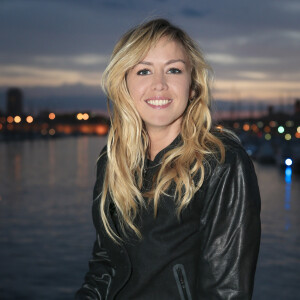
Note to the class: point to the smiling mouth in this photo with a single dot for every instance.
(159, 102)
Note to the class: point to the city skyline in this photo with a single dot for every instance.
(55, 50)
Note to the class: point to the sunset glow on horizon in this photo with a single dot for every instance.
(252, 47)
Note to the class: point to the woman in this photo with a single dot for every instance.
(176, 204)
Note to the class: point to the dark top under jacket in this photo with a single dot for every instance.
(209, 253)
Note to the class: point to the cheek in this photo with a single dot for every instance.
(136, 94)
(182, 84)
(135, 88)
(129, 84)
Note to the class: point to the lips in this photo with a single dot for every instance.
(158, 102)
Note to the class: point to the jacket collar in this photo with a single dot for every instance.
(159, 155)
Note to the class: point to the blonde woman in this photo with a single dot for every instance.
(176, 204)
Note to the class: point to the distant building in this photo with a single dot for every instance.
(270, 110)
(297, 107)
(14, 102)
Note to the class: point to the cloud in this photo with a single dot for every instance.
(255, 89)
(289, 6)
(82, 60)
(64, 90)
(19, 75)
(292, 34)
(116, 5)
(253, 75)
(194, 13)
(52, 43)
(227, 59)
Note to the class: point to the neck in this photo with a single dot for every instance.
(160, 139)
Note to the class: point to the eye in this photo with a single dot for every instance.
(174, 71)
(143, 72)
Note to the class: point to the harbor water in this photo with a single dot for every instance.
(46, 231)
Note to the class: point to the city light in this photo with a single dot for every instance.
(273, 124)
(267, 129)
(45, 125)
(236, 125)
(51, 131)
(66, 129)
(29, 119)
(297, 135)
(85, 116)
(246, 127)
(47, 128)
(298, 129)
(254, 128)
(52, 116)
(81, 116)
(268, 136)
(10, 119)
(101, 129)
(289, 123)
(260, 124)
(288, 162)
(44, 131)
(86, 129)
(17, 119)
(280, 129)
(287, 136)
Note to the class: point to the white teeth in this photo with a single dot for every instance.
(158, 102)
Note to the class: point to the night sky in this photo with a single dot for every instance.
(56, 50)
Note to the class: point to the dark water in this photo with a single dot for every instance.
(46, 232)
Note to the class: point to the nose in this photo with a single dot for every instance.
(159, 82)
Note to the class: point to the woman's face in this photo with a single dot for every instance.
(160, 85)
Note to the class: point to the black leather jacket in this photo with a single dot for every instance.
(210, 253)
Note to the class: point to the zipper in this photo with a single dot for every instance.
(182, 283)
(181, 280)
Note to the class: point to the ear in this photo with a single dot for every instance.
(194, 91)
(192, 94)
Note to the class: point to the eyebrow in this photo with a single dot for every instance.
(172, 61)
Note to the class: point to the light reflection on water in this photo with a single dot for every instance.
(82, 158)
(287, 198)
(46, 231)
(278, 272)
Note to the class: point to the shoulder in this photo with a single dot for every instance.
(233, 182)
(101, 168)
(235, 153)
(236, 165)
(102, 158)
(102, 161)
(98, 186)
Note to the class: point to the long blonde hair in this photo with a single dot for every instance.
(128, 140)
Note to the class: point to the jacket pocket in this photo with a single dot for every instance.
(182, 283)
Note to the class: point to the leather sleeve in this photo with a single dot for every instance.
(100, 273)
(231, 230)
(98, 278)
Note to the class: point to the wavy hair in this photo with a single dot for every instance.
(128, 140)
